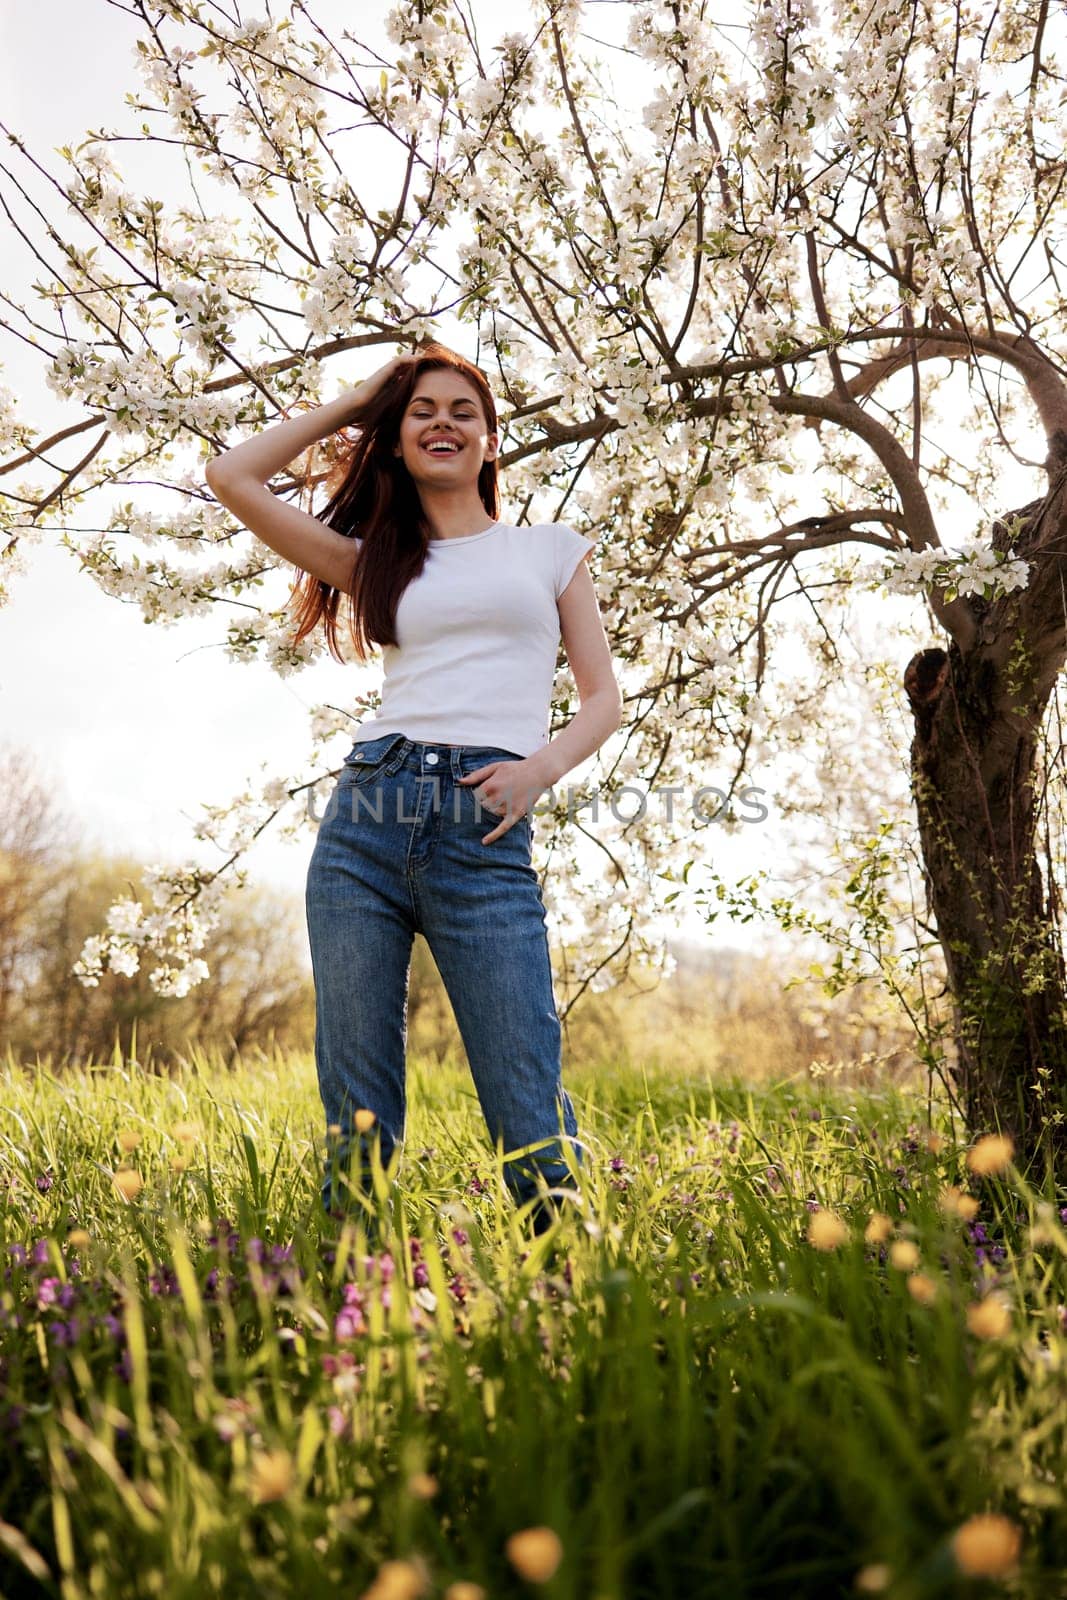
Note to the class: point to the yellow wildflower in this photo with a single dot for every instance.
(873, 1578)
(535, 1553)
(904, 1255)
(398, 1580)
(987, 1545)
(953, 1200)
(879, 1228)
(272, 1475)
(991, 1154)
(826, 1230)
(989, 1318)
(129, 1183)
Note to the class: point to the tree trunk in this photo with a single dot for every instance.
(974, 770)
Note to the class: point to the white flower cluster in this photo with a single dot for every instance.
(636, 385)
(327, 720)
(340, 299)
(166, 593)
(337, 293)
(201, 524)
(480, 101)
(206, 314)
(572, 376)
(980, 571)
(268, 635)
(14, 434)
(438, 45)
(97, 189)
(187, 901)
(136, 393)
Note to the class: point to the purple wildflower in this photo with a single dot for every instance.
(340, 1425)
(458, 1287)
(65, 1333)
(11, 1420)
(348, 1323)
(164, 1281)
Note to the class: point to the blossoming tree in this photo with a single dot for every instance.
(773, 320)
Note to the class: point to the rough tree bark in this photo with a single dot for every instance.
(977, 780)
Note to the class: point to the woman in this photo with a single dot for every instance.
(469, 611)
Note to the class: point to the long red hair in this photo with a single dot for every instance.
(372, 494)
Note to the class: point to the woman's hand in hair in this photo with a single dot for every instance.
(358, 397)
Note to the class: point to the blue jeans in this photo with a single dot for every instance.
(399, 852)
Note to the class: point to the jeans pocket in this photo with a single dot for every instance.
(475, 763)
(369, 759)
(471, 764)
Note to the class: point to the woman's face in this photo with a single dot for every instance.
(445, 409)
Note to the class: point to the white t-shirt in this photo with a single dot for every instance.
(478, 634)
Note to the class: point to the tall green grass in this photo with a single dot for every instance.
(687, 1389)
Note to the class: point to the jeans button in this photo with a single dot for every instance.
(432, 758)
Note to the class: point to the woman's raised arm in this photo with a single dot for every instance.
(238, 480)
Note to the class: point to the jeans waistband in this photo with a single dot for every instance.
(397, 751)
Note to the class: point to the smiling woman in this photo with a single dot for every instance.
(469, 612)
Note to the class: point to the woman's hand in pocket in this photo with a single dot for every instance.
(508, 789)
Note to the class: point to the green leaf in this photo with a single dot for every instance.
(312, 1434)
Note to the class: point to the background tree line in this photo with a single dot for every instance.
(720, 1010)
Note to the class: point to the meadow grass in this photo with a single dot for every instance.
(782, 1342)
